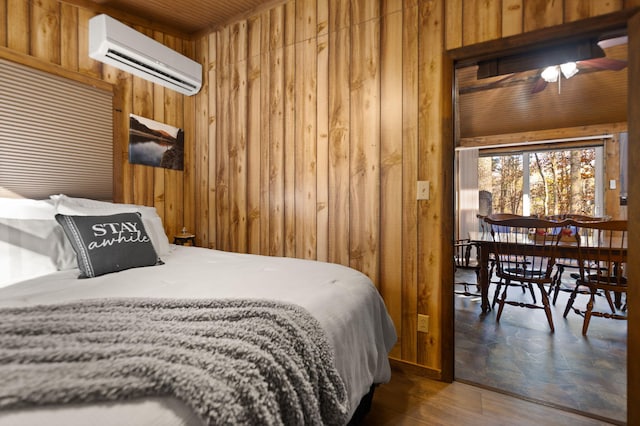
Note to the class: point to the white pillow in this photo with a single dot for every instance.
(26, 208)
(87, 207)
(32, 243)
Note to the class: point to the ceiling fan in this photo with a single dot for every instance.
(567, 70)
(554, 73)
(585, 55)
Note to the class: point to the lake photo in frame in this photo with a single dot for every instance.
(155, 144)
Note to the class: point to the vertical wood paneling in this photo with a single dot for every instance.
(69, 36)
(3, 20)
(481, 20)
(431, 168)
(391, 57)
(322, 231)
(212, 136)
(322, 137)
(254, 30)
(365, 143)
(339, 15)
(542, 13)
(575, 10)
(306, 20)
(265, 133)
(453, 20)
(306, 149)
(174, 180)
(189, 126)
(238, 137)
(276, 167)
(222, 142)
(322, 17)
(290, 129)
(410, 102)
(512, 12)
(86, 65)
(201, 166)
(19, 32)
(612, 172)
(45, 30)
(339, 131)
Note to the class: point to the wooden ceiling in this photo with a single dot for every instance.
(505, 104)
(187, 16)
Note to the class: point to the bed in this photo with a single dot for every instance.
(343, 331)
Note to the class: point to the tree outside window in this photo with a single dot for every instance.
(540, 183)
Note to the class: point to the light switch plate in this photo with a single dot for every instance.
(423, 190)
(423, 323)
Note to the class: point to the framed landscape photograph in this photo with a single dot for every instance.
(155, 144)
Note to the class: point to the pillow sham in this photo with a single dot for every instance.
(105, 244)
(32, 247)
(32, 243)
(26, 208)
(87, 207)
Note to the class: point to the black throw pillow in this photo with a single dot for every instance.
(112, 243)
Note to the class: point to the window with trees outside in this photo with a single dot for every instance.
(542, 183)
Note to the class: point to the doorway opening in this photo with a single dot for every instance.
(530, 152)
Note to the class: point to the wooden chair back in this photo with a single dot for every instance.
(602, 262)
(531, 238)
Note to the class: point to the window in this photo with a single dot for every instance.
(542, 182)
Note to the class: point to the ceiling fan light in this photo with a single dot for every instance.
(569, 69)
(550, 74)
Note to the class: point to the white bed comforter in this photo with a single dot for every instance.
(344, 301)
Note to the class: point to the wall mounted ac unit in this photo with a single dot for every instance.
(116, 44)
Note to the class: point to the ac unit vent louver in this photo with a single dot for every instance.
(123, 47)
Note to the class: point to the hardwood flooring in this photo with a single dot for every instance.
(542, 378)
(409, 399)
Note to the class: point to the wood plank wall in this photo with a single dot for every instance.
(343, 112)
(315, 121)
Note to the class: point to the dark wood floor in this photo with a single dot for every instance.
(409, 399)
(520, 355)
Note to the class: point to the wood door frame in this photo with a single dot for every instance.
(547, 37)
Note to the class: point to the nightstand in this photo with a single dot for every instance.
(184, 238)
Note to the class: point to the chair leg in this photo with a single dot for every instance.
(547, 308)
(501, 301)
(587, 315)
(572, 298)
(556, 283)
(533, 294)
(497, 292)
(611, 305)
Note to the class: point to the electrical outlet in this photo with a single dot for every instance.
(423, 323)
(423, 190)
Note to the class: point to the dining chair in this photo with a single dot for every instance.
(463, 260)
(559, 282)
(519, 259)
(602, 259)
(535, 240)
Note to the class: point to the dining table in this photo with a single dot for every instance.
(523, 247)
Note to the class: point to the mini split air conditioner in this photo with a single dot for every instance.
(116, 44)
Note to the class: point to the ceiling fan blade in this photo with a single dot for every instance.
(605, 63)
(540, 85)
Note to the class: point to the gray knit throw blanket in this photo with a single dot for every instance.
(253, 362)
